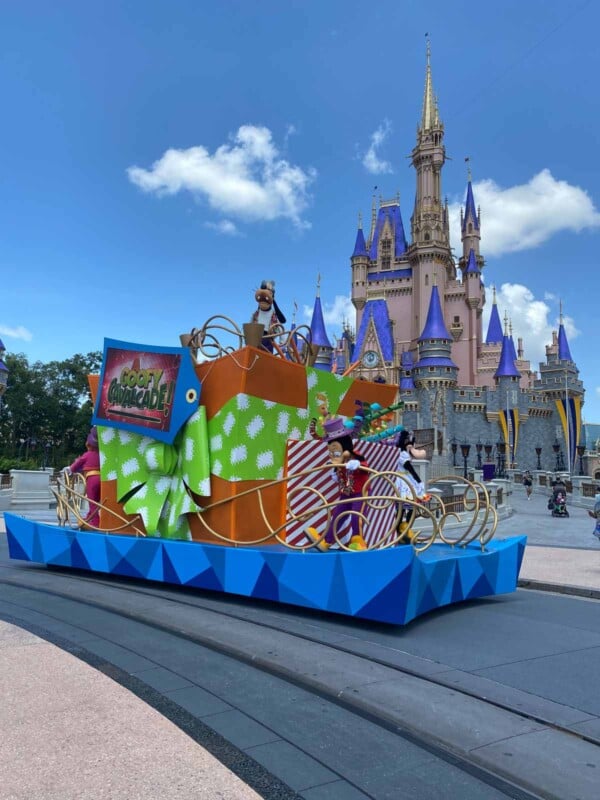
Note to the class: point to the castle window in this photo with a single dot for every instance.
(470, 228)
(431, 369)
(426, 280)
(427, 237)
(386, 262)
(457, 320)
(386, 246)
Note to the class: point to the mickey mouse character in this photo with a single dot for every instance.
(268, 313)
(349, 472)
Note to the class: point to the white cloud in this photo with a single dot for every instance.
(370, 160)
(525, 216)
(533, 320)
(246, 178)
(16, 333)
(223, 226)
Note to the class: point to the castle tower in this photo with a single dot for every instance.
(507, 379)
(360, 263)
(559, 381)
(429, 252)
(319, 334)
(435, 372)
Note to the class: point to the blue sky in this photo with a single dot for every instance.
(159, 159)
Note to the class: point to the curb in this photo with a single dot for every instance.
(559, 588)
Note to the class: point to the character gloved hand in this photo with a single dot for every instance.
(352, 465)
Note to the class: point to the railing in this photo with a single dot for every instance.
(589, 489)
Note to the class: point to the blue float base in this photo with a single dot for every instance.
(394, 585)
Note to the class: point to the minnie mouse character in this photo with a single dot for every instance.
(348, 471)
(268, 313)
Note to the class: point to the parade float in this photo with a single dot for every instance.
(215, 474)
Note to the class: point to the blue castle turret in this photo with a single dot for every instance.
(319, 335)
(435, 347)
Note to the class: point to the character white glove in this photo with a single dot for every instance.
(353, 464)
(66, 470)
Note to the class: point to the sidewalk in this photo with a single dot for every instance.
(69, 731)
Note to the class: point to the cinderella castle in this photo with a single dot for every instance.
(419, 325)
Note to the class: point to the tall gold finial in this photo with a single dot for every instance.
(560, 311)
(510, 326)
(429, 116)
(434, 278)
(468, 162)
(294, 314)
(494, 297)
(319, 284)
(505, 323)
(359, 219)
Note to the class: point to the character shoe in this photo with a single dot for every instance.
(314, 535)
(357, 543)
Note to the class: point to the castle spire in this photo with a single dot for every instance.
(435, 327)
(429, 115)
(564, 352)
(494, 331)
(507, 367)
(360, 246)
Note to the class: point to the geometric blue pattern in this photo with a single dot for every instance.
(394, 585)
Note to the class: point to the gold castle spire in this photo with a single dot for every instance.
(430, 115)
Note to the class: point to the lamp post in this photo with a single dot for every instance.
(538, 452)
(464, 449)
(488, 451)
(478, 447)
(580, 452)
(556, 448)
(500, 452)
(453, 447)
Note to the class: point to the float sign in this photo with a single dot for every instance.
(145, 389)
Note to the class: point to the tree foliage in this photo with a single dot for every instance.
(47, 409)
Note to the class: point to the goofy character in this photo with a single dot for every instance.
(268, 313)
(350, 475)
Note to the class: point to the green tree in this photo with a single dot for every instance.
(47, 410)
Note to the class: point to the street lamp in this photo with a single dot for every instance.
(556, 448)
(580, 452)
(453, 447)
(538, 452)
(478, 447)
(501, 453)
(464, 449)
(488, 451)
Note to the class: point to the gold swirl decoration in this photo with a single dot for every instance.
(475, 520)
(221, 336)
(70, 499)
(380, 493)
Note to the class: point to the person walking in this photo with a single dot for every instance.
(528, 483)
(595, 514)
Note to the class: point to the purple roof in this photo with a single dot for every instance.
(472, 265)
(435, 361)
(435, 328)
(506, 367)
(494, 331)
(360, 247)
(390, 274)
(2, 345)
(317, 326)
(3, 367)
(393, 214)
(377, 311)
(564, 352)
(470, 212)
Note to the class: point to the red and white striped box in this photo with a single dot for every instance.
(305, 455)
